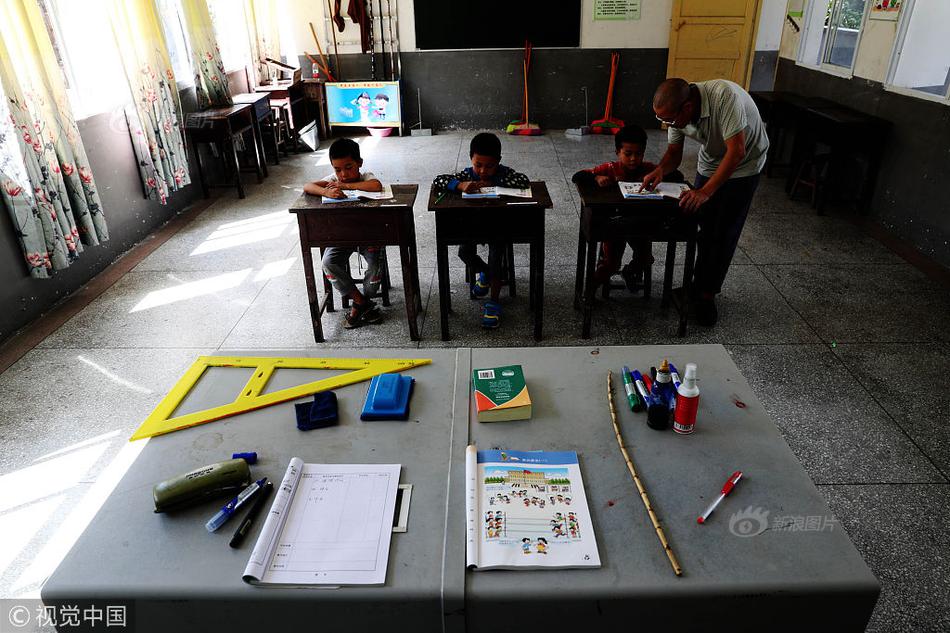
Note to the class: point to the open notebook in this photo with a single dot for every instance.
(526, 510)
(330, 524)
(351, 194)
(495, 192)
(631, 190)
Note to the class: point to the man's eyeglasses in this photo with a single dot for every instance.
(673, 120)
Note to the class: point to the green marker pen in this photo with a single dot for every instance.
(635, 404)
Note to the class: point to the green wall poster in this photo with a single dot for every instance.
(616, 9)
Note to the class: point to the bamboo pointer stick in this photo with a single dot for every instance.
(636, 479)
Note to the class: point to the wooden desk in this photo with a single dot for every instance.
(847, 132)
(315, 92)
(221, 125)
(815, 119)
(607, 216)
(289, 90)
(482, 220)
(354, 224)
(782, 112)
(260, 105)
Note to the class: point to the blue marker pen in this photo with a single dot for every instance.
(641, 388)
(231, 507)
(675, 375)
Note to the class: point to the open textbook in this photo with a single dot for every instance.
(495, 192)
(526, 510)
(353, 194)
(631, 190)
(330, 524)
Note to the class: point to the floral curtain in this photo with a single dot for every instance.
(263, 33)
(155, 114)
(45, 180)
(211, 82)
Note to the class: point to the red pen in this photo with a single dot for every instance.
(726, 489)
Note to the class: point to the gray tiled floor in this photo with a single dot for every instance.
(844, 343)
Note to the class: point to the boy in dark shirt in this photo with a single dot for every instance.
(631, 144)
(486, 171)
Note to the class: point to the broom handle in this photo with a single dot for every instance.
(323, 58)
(526, 65)
(614, 62)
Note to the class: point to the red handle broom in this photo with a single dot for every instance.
(609, 124)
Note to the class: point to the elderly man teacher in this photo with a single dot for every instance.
(723, 118)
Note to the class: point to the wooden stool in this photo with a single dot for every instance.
(345, 301)
(812, 173)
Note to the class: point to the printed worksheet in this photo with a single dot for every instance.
(330, 524)
(527, 509)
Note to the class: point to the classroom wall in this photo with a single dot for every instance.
(910, 198)
(768, 38)
(458, 92)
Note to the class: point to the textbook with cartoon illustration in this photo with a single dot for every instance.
(632, 190)
(526, 510)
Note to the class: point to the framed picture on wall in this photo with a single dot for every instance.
(364, 103)
(885, 10)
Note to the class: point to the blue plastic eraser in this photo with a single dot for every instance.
(388, 397)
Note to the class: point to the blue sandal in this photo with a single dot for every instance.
(480, 287)
(491, 317)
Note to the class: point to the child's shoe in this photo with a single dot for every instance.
(362, 313)
(480, 287)
(491, 317)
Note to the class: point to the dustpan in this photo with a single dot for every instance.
(609, 124)
(522, 126)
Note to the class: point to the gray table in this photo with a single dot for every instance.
(183, 579)
(776, 581)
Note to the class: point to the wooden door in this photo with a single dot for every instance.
(713, 39)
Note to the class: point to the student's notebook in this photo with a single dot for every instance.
(631, 190)
(352, 194)
(495, 192)
(330, 524)
(526, 510)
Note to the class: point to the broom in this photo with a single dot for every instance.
(522, 126)
(609, 124)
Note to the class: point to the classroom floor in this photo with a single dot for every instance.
(845, 344)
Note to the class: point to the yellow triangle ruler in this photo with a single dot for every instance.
(250, 398)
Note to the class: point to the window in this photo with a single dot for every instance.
(920, 63)
(85, 48)
(831, 31)
(230, 29)
(173, 27)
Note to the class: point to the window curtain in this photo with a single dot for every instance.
(154, 117)
(263, 33)
(211, 81)
(45, 180)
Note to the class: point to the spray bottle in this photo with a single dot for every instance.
(687, 402)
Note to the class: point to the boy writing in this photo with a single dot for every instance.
(486, 171)
(630, 143)
(346, 161)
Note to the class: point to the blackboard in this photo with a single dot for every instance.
(442, 24)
